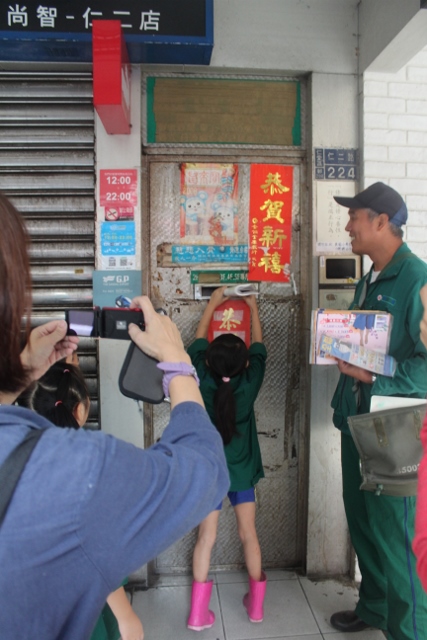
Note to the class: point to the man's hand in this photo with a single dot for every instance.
(423, 324)
(47, 344)
(354, 372)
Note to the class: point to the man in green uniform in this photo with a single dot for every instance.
(382, 527)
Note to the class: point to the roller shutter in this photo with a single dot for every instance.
(47, 169)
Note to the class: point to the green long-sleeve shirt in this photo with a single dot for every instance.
(243, 454)
(396, 291)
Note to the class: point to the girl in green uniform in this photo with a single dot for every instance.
(61, 396)
(231, 376)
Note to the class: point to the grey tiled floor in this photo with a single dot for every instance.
(295, 608)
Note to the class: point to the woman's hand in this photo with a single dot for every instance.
(423, 324)
(47, 344)
(161, 338)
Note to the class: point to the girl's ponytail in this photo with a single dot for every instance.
(226, 356)
(225, 411)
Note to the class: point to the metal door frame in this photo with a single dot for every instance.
(285, 157)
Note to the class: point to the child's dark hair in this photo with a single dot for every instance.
(56, 394)
(226, 357)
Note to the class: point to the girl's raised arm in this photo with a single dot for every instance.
(216, 299)
(256, 324)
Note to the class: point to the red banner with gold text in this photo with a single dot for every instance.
(270, 222)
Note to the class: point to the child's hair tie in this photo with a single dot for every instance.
(225, 379)
(66, 371)
(58, 402)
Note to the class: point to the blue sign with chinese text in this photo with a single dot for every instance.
(155, 31)
(117, 238)
(336, 164)
(190, 254)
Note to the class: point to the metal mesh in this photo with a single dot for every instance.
(277, 415)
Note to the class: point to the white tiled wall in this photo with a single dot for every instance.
(395, 140)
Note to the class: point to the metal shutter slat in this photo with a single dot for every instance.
(63, 113)
(55, 273)
(57, 159)
(56, 226)
(65, 251)
(39, 207)
(32, 180)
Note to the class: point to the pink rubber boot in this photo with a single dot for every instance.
(200, 617)
(254, 600)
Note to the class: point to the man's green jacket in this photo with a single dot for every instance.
(397, 291)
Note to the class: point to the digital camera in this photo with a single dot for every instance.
(108, 322)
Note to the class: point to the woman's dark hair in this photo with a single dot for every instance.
(56, 394)
(226, 357)
(15, 295)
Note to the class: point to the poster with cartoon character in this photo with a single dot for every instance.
(208, 204)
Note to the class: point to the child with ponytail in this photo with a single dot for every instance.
(61, 396)
(231, 376)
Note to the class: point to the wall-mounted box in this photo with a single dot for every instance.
(338, 276)
(204, 291)
(339, 270)
(336, 298)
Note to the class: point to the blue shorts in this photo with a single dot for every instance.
(239, 497)
(364, 321)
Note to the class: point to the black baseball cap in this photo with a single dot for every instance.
(380, 198)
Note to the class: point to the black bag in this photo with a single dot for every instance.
(140, 377)
(390, 449)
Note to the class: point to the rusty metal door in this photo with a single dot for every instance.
(280, 405)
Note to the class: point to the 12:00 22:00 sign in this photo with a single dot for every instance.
(118, 185)
(118, 179)
(114, 196)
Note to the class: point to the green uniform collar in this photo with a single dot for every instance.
(393, 267)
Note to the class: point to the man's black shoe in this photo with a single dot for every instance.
(348, 622)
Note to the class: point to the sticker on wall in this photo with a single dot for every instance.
(119, 212)
(118, 193)
(336, 164)
(219, 277)
(115, 288)
(270, 222)
(208, 204)
(118, 245)
(189, 254)
(332, 218)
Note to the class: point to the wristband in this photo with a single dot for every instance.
(374, 378)
(172, 369)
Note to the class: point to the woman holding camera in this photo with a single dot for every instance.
(89, 509)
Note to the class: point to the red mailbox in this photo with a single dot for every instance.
(232, 316)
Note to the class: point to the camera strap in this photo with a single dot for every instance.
(13, 466)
